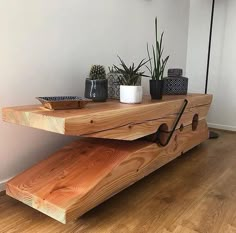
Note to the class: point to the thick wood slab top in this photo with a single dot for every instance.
(111, 119)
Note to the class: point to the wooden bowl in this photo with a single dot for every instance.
(63, 102)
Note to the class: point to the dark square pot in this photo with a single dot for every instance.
(156, 89)
(97, 90)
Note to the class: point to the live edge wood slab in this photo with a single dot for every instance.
(111, 120)
(90, 170)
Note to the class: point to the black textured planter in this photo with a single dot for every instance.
(156, 89)
(97, 90)
(175, 86)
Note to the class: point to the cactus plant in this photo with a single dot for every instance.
(96, 86)
(97, 72)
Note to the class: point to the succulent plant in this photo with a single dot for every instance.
(97, 72)
(130, 75)
(112, 69)
(157, 64)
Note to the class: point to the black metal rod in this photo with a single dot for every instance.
(209, 46)
(176, 123)
(212, 135)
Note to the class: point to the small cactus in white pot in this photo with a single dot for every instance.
(131, 91)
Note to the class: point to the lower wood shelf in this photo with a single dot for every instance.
(89, 171)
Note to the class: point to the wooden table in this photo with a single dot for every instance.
(120, 144)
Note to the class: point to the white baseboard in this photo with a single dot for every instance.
(2, 184)
(224, 127)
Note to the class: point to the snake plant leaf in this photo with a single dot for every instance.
(161, 40)
(155, 64)
(149, 57)
(157, 43)
(164, 62)
(158, 47)
(161, 53)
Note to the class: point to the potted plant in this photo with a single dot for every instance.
(96, 86)
(157, 66)
(113, 83)
(131, 91)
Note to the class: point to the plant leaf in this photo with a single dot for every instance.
(161, 40)
(131, 74)
(149, 69)
(150, 62)
(156, 71)
(164, 62)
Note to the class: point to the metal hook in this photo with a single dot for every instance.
(175, 125)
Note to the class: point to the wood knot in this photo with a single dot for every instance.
(176, 138)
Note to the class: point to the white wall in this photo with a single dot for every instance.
(222, 78)
(47, 48)
(222, 81)
(198, 36)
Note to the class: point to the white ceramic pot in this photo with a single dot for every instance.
(131, 94)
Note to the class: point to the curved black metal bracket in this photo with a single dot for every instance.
(175, 125)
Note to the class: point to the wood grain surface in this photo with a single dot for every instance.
(111, 120)
(195, 193)
(89, 171)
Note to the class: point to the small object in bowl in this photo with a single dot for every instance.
(63, 102)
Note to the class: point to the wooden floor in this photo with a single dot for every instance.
(194, 193)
